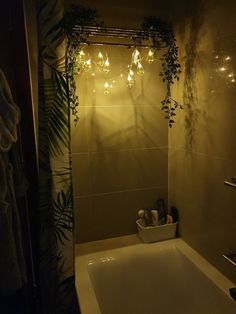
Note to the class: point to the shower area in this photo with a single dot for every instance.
(123, 135)
(124, 154)
(120, 145)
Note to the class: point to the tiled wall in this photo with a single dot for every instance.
(202, 145)
(119, 148)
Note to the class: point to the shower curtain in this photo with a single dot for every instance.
(56, 244)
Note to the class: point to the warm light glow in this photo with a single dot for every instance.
(131, 72)
(106, 67)
(81, 58)
(150, 56)
(222, 69)
(233, 80)
(130, 79)
(136, 58)
(100, 59)
(231, 75)
(140, 70)
(227, 58)
(106, 86)
(88, 65)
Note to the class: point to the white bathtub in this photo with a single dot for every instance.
(160, 278)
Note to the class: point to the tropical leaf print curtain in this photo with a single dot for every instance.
(56, 252)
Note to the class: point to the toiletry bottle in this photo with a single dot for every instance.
(141, 214)
(161, 210)
(169, 219)
(148, 217)
(174, 214)
(155, 217)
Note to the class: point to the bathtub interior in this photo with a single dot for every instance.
(163, 278)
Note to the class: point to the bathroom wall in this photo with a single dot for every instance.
(119, 148)
(202, 145)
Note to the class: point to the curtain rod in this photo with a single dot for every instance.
(136, 35)
(99, 43)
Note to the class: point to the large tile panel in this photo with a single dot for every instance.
(110, 215)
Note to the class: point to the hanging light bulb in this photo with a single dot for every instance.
(100, 59)
(140, 70)
(81, 57)
(136, 57)
(130, 78)
(131, 73)
(87, 65)
(106, 90)
(106, 66)
(150, 56)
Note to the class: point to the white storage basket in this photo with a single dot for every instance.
(156, 233)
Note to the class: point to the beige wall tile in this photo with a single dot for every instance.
(114, 214)
(81, 174)
(131, 169)
(79, 132)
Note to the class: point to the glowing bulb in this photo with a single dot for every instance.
(222, 69)
(106, 86)
(131, 72)
(106, 67)
(81, 53)
(150, 56)
(81, 57)
(233, 80)
(130, 80)
(87, 65)
(100, 59)
(231, 75)
(140, 70)
(136, 57)
(227, 58)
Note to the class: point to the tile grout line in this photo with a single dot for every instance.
(121, 191)
(122, 150)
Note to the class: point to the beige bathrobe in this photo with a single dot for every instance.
(12, 182)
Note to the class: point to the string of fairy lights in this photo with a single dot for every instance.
(102, 62)
(85, 63)
(224, 67)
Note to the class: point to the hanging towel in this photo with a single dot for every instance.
(12, 263)
(9, 116)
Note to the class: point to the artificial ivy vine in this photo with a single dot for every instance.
(76, 16)
(162, 36)
(159, 32)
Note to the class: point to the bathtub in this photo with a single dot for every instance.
(125, 276)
